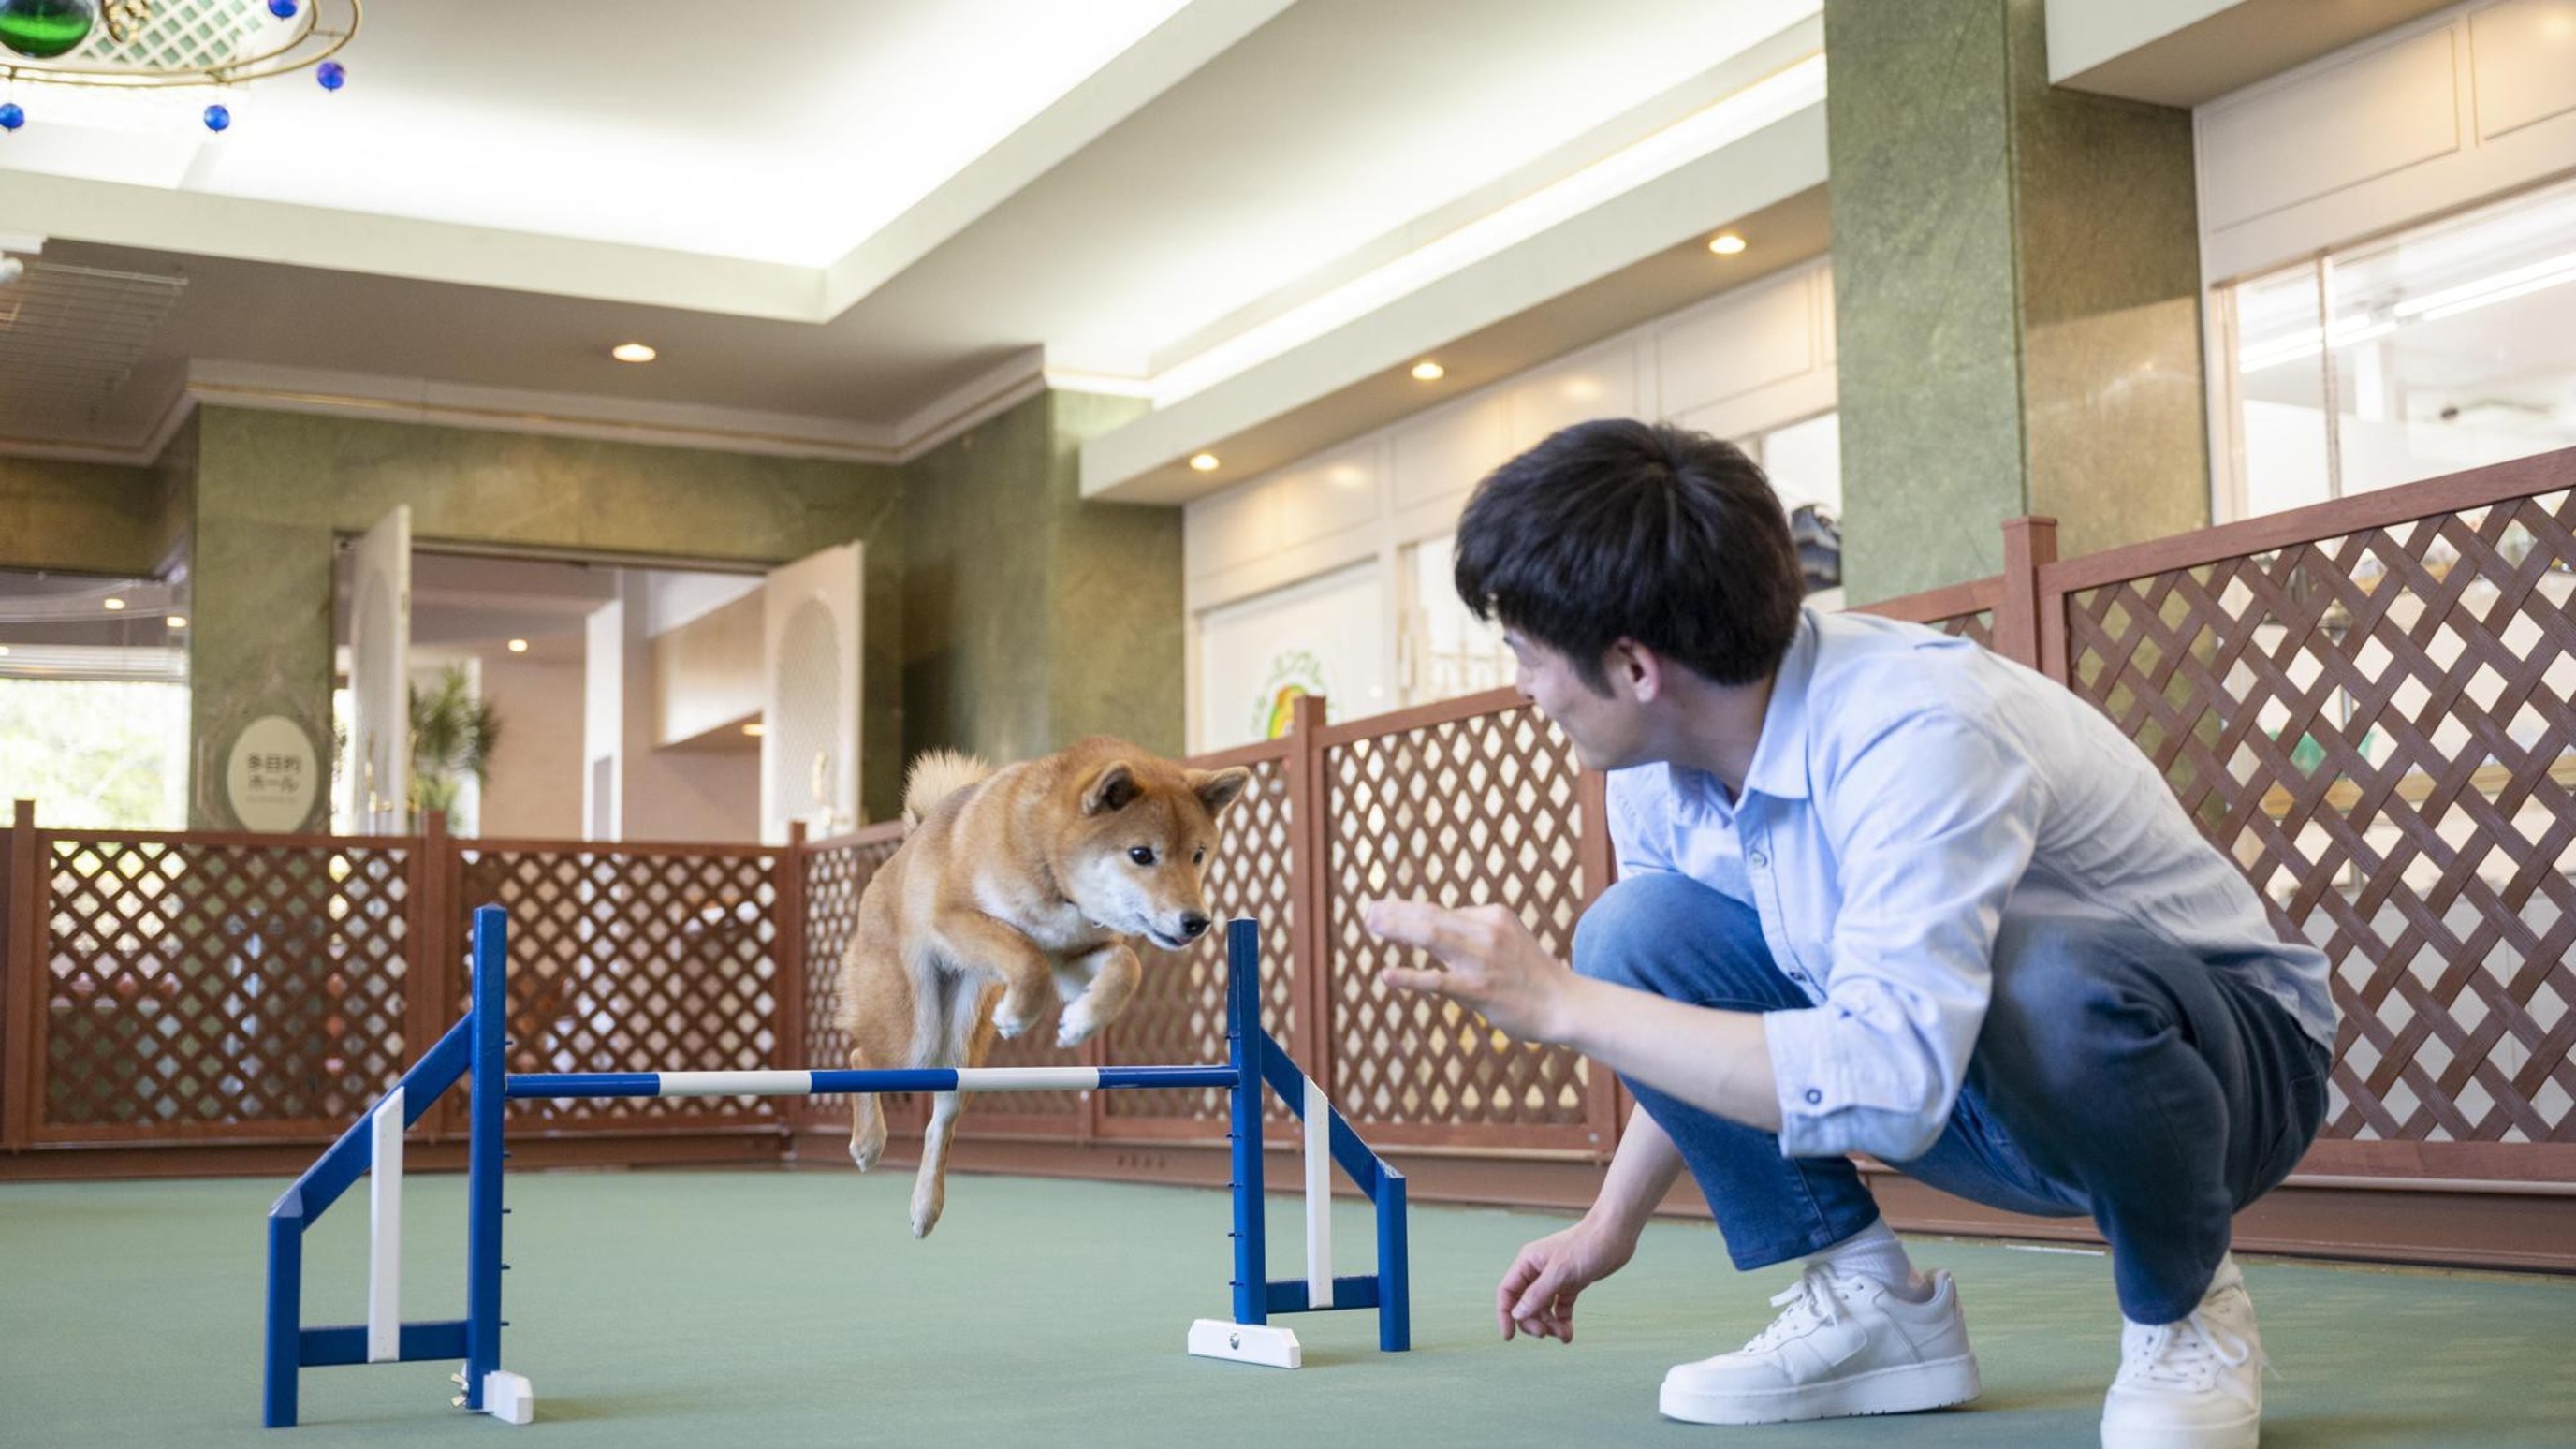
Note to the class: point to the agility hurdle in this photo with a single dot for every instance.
(475, 1050)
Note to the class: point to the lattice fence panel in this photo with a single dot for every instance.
(635, 961)
(202, 987)
(1479, 809)
(1979, 626)
(2379, 728)
(1178, 1015)
(835, 878)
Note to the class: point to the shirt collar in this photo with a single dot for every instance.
(1779, 767)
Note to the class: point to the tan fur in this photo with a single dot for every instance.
(1012, 885)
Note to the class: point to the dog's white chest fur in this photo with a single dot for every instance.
(1058, 928)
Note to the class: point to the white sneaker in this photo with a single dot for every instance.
(2196, 1384)
(1844, 1345)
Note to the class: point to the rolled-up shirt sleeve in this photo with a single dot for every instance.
(1932, 822)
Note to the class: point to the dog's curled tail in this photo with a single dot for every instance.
(936, 775)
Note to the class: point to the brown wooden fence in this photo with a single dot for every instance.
(2366, 703)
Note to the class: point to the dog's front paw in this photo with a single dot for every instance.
(1011, 1023)
(1075, 1027)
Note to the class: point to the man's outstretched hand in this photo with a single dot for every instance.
(1537, 1296)
(1494, 964)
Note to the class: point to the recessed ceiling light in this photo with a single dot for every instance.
(632, 352)
(4, 651)
(112, 605)
(1204, 463)
(518, 646)
(1726, 244)
(1428, 371)
(176, 621)
(755, 729)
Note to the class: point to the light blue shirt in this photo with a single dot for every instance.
(1909, 794)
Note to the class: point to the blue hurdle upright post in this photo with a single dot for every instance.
(476, 1049)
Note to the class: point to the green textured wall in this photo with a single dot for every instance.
(1034, 618)
(88, 517)
(2016, 285)
(1115, 604)
(274, 489)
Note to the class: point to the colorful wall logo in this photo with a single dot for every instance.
(1293, 672)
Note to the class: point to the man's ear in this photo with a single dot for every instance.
(1112, 787)
(1635, 669)
(1217, 789)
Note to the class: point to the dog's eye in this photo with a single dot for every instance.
(1142, 855)
(1200, 857)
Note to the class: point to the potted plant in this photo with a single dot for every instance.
(453, 734)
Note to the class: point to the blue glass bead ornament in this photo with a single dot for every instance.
(219, 117)
(282, 9)
(11, 118)
(330, 76)
(43, 29)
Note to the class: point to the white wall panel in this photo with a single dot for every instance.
(2464, 106)
(1228, 530)
(1325, 635)
(1325, 495)
(1710, 354)
(2525, 55)
(2367, 115)
(1442, 454)
(1599, 383)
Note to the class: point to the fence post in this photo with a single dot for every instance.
(789, 947)
(425, 985)
(20, 1001)
(1310, 952)
(2029, 542)
(1605, 1101)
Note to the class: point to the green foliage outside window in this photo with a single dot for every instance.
(96, 754)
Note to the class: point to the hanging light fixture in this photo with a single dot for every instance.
(166, 45)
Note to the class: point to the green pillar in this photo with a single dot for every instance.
(2017, 294)
(260, 593)
(1033, 618)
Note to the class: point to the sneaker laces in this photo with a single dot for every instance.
(1809, 1304)
(2185, 1355)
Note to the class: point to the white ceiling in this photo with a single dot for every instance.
(845, 223)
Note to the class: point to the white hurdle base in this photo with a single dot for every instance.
(1255, 1343)
(507, 1397)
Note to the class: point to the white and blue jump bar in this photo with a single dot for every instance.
(475, 1050)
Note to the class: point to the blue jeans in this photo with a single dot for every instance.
(2116, 1075)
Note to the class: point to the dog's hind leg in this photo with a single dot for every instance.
(867, 1120)
(930, 1188)
(964, 1028)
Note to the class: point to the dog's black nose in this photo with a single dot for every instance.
(1194, 925)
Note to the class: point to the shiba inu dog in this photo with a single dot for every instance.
(1010, 883)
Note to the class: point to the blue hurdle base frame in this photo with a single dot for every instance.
(475, 1051)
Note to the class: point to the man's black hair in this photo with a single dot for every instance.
(1619, 529)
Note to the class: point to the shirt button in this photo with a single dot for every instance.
(1758, 859)
(1814, 1096)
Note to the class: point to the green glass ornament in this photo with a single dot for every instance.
(43, 29)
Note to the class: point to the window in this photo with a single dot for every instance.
(2445, 347)
(94, 701)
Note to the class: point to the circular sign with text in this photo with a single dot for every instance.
(273, 775)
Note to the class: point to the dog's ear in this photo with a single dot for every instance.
(1112, 787)
(1217, 789)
